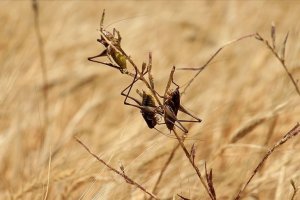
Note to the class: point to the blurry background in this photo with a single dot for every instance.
(244, 85)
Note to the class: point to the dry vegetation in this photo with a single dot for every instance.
(245, 98)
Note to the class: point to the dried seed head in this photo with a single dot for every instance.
(273, 35)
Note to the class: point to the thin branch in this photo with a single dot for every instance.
(292, 133)
(279, 58)
(121, 173)
(200, 69)
(202, 180)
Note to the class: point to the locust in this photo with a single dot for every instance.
(152, 113)
(113, 50)
(150, 105)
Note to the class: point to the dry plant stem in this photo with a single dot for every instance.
(188, 155)
(42, 59)
(280, 59)
(127, 179)
(49, 171)
(199, 69)
(293, 132)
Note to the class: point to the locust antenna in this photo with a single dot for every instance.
(124, 19)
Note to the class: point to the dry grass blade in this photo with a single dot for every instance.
(284, 46)
(272, 126)
(292, 133)
(122, 174)
(35, 8)
(247, 128)
(182, 197)
(295, 190)
(49, 171)
(209, 180)
(255, 122)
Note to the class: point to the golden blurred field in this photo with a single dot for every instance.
(244, 84)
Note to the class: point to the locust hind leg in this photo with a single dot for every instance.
(196, 119)
(103, 53)
(129, 87)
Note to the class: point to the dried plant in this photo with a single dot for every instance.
(155, 106)
(200, 69)
(37, 28)
(292, 133)
(279, 53)
(209, 180)
(43, 107)
(171, 99)
(120, 173)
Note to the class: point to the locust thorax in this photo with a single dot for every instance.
(148, 100)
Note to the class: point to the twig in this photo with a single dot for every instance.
(188, 155)
(281, 58)
(35, 8)
(121, 173)
(199, 69)
(293, 132)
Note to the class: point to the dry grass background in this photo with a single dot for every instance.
(243, 85)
